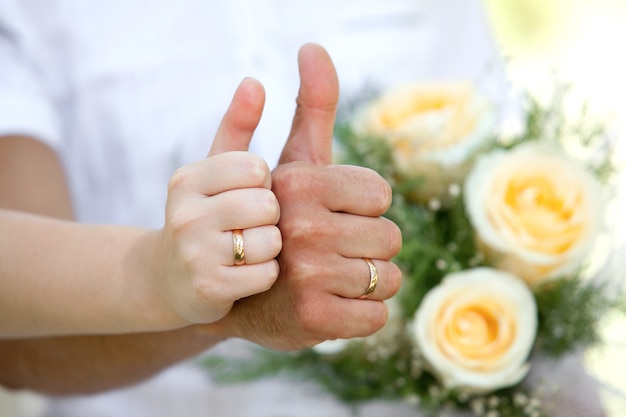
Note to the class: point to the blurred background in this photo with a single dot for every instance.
(569, 41)
(580, 42)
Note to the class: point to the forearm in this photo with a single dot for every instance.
(92, 363)
(59, 277)
(88, 364)
(32, 181)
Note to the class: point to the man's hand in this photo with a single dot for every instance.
(330, 220)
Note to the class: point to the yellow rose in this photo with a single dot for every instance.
(476, 329)
(433, 129)
(536, 212)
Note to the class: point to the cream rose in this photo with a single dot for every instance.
(434, 130)
(535, 211)
(476, 329)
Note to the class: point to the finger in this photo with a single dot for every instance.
(359, 276)
(358, 236)
(220, 173)
(310, 139)
(359, 318)
(246, 280)
(355, 190)
(350, 277)
(241, 118)
(260, 244)
(243, 209)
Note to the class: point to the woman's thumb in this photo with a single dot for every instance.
(241, 118)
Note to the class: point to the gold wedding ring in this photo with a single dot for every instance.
(373, 278)
(238, 249)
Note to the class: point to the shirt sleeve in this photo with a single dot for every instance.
(26, 101)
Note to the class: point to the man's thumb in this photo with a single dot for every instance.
(241, 118)
(311, 136)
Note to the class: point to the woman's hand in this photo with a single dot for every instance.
(208, 202)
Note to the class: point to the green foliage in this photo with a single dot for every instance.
(570, 310)
(438, 239)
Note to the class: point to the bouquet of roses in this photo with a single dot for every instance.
(497, 234)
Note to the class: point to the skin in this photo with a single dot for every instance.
(155, 279)
(324, 237)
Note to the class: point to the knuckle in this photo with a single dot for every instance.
(268, 206)
(298, 275)
(291, 178)
(202, 288)
(256, 170)
(179, 179)
(180, 219)
(274, 241)
(394, 238)
(188, 256)
(369, 185)
(382, 193)
(394, 281)
(376, 187)
(298, 230)
(377, 317)
(210, 290)
(271, 275)
(301, 231)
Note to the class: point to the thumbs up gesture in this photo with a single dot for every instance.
(334, 264)
(220, 239)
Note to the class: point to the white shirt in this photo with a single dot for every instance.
(127, 91)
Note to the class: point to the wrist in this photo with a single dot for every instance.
(215, 332)
(148, 277)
